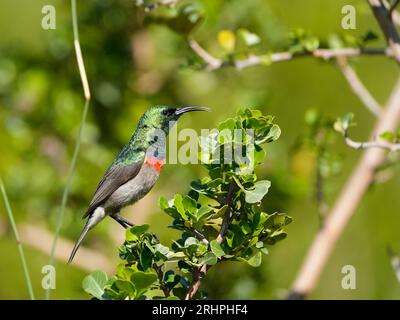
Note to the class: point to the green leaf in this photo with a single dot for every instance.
(216, 249)
(189, 204)
(258, 192)
(143, 280)
(146, 259)
(255, 261)
(209, 258)
(229, 124)
(259, 244)
(163, 203)
(202, 212)
(272, 135)
(388, 136)
(220, 213)
(125, 286)
(178, 203)
(249, 38)
(94, 284)
(343, 124)
(190, 241)
(133, 233)
(163, 251)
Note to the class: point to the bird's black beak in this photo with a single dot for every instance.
(182, 110)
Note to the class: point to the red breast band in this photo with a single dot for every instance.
(154, 163)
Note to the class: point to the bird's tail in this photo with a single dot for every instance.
(93, 219)
(81, 237)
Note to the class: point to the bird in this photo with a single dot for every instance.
(135, 170)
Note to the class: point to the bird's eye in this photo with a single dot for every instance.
(167, 112)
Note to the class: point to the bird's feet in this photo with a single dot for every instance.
(122, 221)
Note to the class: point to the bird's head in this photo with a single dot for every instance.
(155, 123)
(163, 117)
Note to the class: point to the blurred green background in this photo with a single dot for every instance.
(132, 64)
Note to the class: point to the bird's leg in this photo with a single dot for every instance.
(122, 221)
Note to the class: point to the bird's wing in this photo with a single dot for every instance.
(112, 180)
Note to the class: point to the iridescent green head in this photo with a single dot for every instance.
(163, 117)
(156, 122)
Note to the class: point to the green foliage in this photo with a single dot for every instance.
(219, 219)
(181, 18)
(343, 123)
(347, 39)
(302, 41)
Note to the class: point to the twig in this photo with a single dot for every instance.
(199, 235)
(346, 204)
(213, 63)
(17, 239)
(199, 273)
(383, 16)
(372, 144)
(358, 87)
(86, 91)
(160, 275)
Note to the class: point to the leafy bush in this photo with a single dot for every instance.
(219, 219)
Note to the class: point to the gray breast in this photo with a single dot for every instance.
(133, 190)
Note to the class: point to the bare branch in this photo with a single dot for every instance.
(372, 144)
(347, 203)
(383, 16)
(358, 87)
(396, 18)
(213, 63)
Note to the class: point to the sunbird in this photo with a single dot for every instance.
(135, 170)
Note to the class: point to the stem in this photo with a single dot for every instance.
(72, 167)
(198, 274)
(160, 275)
(86, 91)
(19, 245)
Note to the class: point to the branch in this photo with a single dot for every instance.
(199, 235)
(213, 63)
(199, 274)
(372, 144)
(358, 87)
(160, 275)
(346, 204)
(396, 18)
(384, 17)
